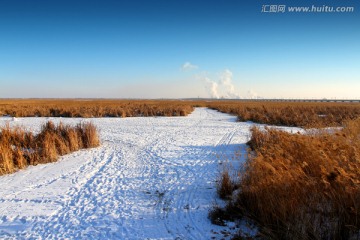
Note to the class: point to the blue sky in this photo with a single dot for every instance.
(138, 49)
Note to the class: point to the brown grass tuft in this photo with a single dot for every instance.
(89, 136)
(73, 138)
(48, 148)
(6, 159)
(225, 186)
(19, 159)
(19, 149)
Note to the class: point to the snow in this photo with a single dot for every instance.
(151, 178)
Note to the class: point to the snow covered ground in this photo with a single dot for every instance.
(151, 178)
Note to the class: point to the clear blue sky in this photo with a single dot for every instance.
(177, 48)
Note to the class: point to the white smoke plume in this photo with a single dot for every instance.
(227, 85)
(212, 87)
(226, 78)
(223, 88)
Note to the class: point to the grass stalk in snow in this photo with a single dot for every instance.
(225, 185)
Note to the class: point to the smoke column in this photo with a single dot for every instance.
(212, 87)
(227, 85)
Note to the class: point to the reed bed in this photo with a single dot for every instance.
(296, 114)
(19, 148)
(299, 114)
(93, 108)
(298, 186)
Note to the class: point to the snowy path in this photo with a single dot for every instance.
(152, 178)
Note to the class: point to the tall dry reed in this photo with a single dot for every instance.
(298, 186)
(19, 148)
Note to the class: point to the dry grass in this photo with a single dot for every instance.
(19, 148)
(93, 108)
(304, 114)
(225, 185)
(300, 114)
(298, 186)
(303, 186)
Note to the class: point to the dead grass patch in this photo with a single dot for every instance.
(302, 186)
(19, 148)
(93, 108)
(297, 114)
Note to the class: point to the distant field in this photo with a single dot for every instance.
(301, 114)
(92, 108)
(297, 114)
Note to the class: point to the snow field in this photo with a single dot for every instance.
(151, 178)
